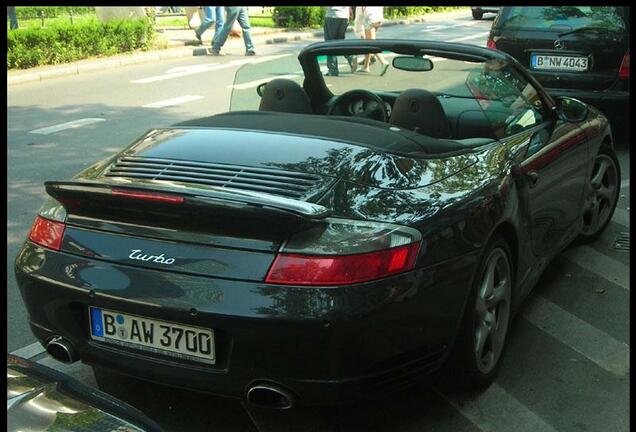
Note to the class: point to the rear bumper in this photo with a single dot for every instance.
(326, 345)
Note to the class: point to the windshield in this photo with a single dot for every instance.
(562, 18)
(480, 99)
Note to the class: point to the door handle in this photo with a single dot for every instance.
(533, 177)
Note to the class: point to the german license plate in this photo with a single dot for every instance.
(559, 63)
(163, 337)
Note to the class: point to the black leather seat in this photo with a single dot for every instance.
(420, 111)
(283, 95)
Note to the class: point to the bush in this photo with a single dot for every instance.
(299, 16)
(64, 43)
(25, 12)
(391, 12)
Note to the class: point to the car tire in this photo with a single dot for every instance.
(469, 367)
(477, 15)
(602, 192)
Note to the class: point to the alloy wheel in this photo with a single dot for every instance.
(492, 310)
(602, 195)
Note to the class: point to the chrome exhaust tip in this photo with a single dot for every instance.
(61, 350)
(270, 396)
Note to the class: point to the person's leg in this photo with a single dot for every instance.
(218, 42)
(369, 33)
(208, 20)
(244, 21)
(379, 56)
(13, 18)
(219, 11)
(330, 28)
(340, 32)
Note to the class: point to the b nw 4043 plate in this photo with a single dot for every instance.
(559, 63)
(172, 339)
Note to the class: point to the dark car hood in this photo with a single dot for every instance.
(328, 159)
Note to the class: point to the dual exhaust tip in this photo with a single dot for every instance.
(263, 395)
(61, 350)
(267, 395)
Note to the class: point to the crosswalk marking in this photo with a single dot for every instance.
(29, 351)
(599, 347)
(496, 410)
(602, 265)
(68, 125)
(621, 217)
(197, 69)
(173, 101)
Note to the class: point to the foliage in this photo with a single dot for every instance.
(299, 16)
(391, 12)
(24, 12)
(62, 43)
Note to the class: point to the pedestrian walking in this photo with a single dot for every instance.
(234, 13)
(13, 18)
(358, 21)
(373, 17)
(211, 15)
(335, 27)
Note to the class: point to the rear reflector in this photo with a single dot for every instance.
(491, 44)
(623, 72)
(296, 269)
(148, 196)
(47, 233)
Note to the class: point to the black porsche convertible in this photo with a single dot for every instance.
(339, 237)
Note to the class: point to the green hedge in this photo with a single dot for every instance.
(62, 43)
(299, 16)
(25, 12)
(391, 12)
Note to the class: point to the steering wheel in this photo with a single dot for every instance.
(375, 111)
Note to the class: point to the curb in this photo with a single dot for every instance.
(89, 65)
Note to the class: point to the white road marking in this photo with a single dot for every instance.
(625, 184)
(600, 264)
(475, 36)
(599, 347)
(196, 69)
(496, 410)
(446, 27)
(29, 351)
(68, 125)
(174, 101)
(621, 217)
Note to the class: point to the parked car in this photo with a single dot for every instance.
(42, 399)
(479, 11)
(323, 243)
(576, 51)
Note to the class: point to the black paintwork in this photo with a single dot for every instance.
(324, 344)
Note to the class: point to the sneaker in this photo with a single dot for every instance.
(215, 52)
(250, 52)
(198, 36)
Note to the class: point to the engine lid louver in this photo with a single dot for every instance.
(267, 180)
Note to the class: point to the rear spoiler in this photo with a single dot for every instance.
(226, 198)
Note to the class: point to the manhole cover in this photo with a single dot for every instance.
(621, 243)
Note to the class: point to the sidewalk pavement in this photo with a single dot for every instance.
(180, 44)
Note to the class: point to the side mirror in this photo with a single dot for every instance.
(571, 110)
(260, 88)
(412, 64)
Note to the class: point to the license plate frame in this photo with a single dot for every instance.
(559, 63)
(101, 331)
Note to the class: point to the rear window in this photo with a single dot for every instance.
(561, 17)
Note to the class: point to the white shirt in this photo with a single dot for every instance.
(338, 12)
(373, 14)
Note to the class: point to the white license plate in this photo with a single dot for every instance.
(163, 337)
(559, 63)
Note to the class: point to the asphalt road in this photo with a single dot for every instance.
(566, 367)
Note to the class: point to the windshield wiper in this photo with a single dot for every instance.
(588, 28)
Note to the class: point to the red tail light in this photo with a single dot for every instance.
(491, 44)
(623, 72)
(47, 233)
(148, 196)
(296, 269)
